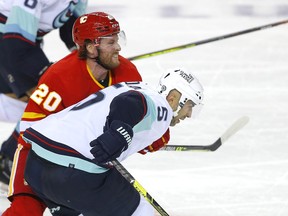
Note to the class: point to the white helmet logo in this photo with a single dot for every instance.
(83, 19)
(110, 17)
(188, 77)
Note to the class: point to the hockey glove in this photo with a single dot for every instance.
(156, 145)
(109, 145)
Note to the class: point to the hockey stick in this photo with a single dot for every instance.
(234, 128)
(218, 38)
(141, 190)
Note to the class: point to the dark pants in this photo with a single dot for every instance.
(4, 87)
(22, 64)
(9, 146)
(68, 191)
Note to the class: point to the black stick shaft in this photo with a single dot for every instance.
(212, 147)
(141, 190)
(230, 131)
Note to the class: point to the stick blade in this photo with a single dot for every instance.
(234, 128)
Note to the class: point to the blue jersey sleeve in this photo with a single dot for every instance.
(129, 107)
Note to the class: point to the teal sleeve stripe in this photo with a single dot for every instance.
(2, 27)
(80, 8)
(22, 22)
(149, 118)
(66, 161)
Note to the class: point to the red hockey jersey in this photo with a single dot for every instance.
(66, 83)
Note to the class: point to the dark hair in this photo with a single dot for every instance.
(82, 51)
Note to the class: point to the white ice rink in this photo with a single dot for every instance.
(244, 75)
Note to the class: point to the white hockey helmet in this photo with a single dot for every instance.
(184, 82)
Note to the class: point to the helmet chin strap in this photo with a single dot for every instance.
(97, 59)
(175, 113)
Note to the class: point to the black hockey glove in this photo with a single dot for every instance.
(109, 145)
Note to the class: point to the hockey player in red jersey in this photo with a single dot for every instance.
(95, 65)
(67, 165)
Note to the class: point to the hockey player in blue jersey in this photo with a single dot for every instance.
(67, 164)
(23, 25)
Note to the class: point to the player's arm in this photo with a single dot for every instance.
(126, 110)
(158, 144)
(45, 100)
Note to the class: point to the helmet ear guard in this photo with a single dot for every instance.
(184, 82)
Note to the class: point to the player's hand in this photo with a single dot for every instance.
(156, 145)
(112, 142)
